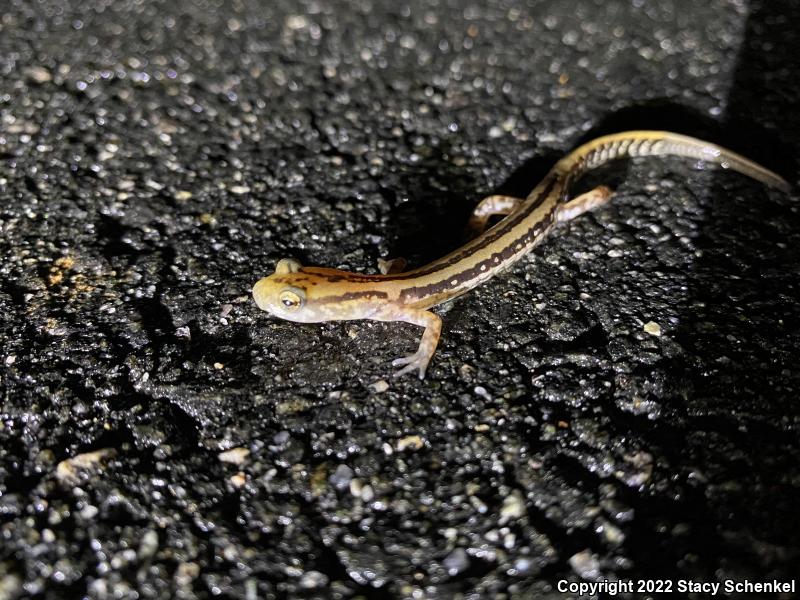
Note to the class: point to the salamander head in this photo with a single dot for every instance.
(314, 294)
(287, 293)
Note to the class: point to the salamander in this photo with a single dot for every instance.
(314, 294)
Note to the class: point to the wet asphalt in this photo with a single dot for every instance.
(622, 404)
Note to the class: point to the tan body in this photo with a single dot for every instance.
(311, 294)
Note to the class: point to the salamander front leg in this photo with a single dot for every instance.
(392, 265)
(487, 208)
(427, 345)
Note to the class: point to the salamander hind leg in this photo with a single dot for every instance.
(427, 345)
(489, 207)
(580, 204)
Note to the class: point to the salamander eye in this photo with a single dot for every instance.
(292, 299)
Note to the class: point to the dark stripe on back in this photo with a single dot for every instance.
(352, 296)
(527, 240)
(504, 227)
(482, 242)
